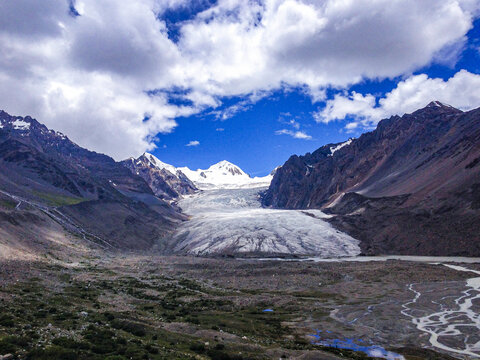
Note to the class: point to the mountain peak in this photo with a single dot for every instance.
(223, 164)
(439, 105)
(225, 167)
(157, 163)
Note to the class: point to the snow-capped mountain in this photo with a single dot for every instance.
(224, 175)
(169, 182)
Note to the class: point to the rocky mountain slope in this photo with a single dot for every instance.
(165, 180)
(45, 177)
(412, 186)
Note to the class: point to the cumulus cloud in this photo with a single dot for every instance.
(80, 75)
(193, 143)
(104, 74)
(460, 91)
(294, 134)
(260, 45)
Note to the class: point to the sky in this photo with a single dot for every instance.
(249, 81)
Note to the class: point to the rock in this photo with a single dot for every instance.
(166, 182)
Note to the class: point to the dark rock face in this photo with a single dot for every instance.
(45, 167)
(164, 183)
(409, 187)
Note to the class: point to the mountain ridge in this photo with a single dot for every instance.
(221, 175)
(87, 193)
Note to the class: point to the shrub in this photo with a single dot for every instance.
(52, 353)
(131, 327)
(7, 321)
(198, 348)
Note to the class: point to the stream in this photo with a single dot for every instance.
(453, 329)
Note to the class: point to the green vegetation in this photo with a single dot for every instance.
(94, 313)
(7, 204)
(57, 199)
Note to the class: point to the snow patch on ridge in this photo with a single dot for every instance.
(21, 125)
(339, 146)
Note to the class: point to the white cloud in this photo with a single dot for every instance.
(240, 106)
(347, 104)
(319, 44)
(219, 129)
(294, 134)
(460, 91)
(89, 76)
(193, 143)
(290, 122)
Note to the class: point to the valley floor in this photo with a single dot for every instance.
(146, 307)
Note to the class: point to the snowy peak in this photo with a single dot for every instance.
(28, 127)
(224, 175)
(226, 168)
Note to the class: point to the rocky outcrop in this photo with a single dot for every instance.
(410, 187)
(165, 181)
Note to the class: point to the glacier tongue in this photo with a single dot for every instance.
(227, 221)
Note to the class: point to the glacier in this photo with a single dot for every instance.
(232, 221)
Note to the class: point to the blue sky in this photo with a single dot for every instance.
(248, 138)
(249, 81)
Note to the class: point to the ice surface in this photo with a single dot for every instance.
(233, 221)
